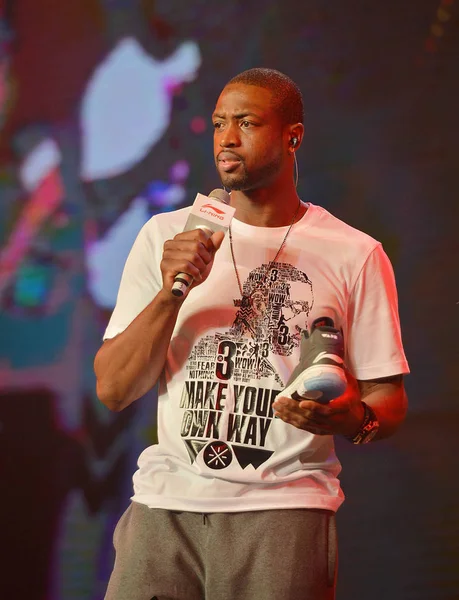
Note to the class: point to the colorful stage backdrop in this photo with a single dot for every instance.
(104, 121)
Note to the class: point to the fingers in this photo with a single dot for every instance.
(217, 239)
(320, 419)
(190, 252)
(343, 415)
(306, 416)
(326, 410)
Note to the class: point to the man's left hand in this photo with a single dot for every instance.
(341, 416)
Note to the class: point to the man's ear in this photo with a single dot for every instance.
(296, 133)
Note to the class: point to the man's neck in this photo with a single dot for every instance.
(267, 207)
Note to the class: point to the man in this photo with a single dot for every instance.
(238, 498)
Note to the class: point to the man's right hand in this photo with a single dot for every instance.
(190, 252)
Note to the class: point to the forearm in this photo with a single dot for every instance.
(129, 365)
(388, 400)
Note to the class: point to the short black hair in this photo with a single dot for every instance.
(286, 94)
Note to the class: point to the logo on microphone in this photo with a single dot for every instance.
(212, 211)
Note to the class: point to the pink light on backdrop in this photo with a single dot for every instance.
(40, 205)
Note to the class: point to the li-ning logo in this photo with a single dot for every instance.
(213, 212)
(334, 357)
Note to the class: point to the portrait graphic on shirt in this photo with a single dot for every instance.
(232, 378)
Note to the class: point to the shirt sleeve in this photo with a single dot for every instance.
(374, 341)
(140, 282)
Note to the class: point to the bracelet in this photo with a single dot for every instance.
(368, 428)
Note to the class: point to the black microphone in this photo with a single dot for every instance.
(210, 214)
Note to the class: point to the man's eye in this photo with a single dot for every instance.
(218, 125)
(245, 124)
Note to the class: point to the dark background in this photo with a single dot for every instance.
(381, 88)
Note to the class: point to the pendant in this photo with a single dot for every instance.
(246, 301)
(243, 302)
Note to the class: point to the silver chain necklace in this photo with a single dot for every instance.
(246, 299)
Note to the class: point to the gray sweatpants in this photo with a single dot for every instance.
(262, 555)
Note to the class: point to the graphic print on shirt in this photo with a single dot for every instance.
(227, 413)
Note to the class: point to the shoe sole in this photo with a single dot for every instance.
(321, 383)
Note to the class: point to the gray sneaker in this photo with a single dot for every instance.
(320, 373)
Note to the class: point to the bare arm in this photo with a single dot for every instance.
(129, 365)
(387, 397)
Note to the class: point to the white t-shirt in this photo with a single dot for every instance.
(220, 449)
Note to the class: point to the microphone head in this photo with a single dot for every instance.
(220, 195)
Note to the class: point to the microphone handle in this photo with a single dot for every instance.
(182, 281)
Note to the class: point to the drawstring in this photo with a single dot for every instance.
(204, 518)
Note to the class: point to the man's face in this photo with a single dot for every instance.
(250, 139)
(258, 302)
